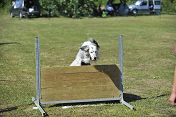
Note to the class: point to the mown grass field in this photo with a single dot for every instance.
(148, 61)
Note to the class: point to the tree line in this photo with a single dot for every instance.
(73, 8)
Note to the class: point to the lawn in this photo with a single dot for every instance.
(148, 61)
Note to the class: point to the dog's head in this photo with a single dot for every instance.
(91, 50)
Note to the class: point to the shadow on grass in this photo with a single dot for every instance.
(8, 43)
(8, 109)
(158, 96)
(131, 97)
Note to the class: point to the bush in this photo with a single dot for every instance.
(75, 8)
(5, 5)
(169, 6)
(70, 8)
(49, 7)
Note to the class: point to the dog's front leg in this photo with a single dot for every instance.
(76, 62)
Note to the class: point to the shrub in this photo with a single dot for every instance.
(70, 8)
(5, 5)
(75, 8)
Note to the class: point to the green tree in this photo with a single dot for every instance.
(70, 8)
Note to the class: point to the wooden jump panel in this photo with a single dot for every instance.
(84, 82)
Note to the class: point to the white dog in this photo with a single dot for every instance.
(87, 52)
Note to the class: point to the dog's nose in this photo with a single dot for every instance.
(95, 58)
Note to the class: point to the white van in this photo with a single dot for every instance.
(145, 7)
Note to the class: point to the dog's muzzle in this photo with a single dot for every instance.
(94, 59)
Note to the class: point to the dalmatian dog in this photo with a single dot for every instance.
(87, 52)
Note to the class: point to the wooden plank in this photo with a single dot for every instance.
(84, 82)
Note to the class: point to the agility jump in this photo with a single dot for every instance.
(79, 84)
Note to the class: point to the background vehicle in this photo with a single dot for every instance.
(25, 8)
(146, 7)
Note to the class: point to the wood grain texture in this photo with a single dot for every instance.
(84, 82)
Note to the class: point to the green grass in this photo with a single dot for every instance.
(148, 61)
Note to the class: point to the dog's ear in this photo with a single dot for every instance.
(84, 48)
(95, 42)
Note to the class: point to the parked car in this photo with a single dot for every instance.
(146, 7)
(25, 8)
